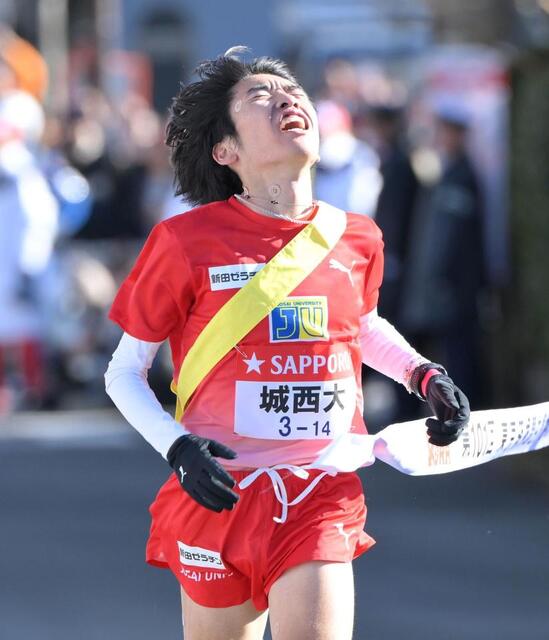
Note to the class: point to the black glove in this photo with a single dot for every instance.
(451, 408)
(201, 475)
(447, 402)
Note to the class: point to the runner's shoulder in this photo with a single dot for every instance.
(193, 227)
(198, 217)
(363, 226)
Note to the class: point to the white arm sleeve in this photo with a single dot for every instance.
(386, 350)
(126, 384)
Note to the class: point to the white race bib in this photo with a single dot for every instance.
(295, 394)
(288, 411)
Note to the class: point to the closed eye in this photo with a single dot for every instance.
(260, 96)
(261, 92)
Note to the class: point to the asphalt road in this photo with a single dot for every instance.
(459, 557)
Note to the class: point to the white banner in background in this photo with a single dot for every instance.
(489, 435)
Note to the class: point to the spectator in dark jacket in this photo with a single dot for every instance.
(446, 266)
(395, 203)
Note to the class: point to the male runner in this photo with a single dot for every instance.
(242, 524)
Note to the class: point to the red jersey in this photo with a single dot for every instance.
(294, 382)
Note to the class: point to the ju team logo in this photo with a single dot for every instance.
(303, 319)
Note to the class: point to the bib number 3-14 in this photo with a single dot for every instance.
(295, 411)
(286, 429)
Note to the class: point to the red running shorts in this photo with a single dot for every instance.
(223, 559)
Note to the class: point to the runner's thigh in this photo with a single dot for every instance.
(242, 622)
(314, 600)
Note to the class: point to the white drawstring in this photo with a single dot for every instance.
(279, 487)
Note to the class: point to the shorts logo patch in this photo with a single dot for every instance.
(300, 319)
(199, 557)
(232, 276)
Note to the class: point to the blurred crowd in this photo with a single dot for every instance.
(80, 190)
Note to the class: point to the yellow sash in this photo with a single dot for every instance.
(254, 301)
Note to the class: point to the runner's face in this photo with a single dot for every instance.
(275, 121)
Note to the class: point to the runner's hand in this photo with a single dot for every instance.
(451, 408)
(200, 474)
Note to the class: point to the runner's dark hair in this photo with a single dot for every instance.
(199, 118)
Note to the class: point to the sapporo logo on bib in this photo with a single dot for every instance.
(287, 393)
(300, 319)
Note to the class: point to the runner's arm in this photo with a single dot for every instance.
(126, 383)
(191, 457)
(386, 350)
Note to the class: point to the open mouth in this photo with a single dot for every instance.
(293, 122)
